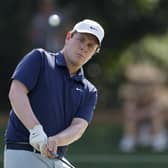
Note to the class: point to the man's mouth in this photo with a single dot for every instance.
(80, 55)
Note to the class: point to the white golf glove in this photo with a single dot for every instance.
(37, 138)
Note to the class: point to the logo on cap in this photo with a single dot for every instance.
(93, 28)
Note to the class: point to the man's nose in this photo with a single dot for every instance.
(83, 47)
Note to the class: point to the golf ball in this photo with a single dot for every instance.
(54, 20)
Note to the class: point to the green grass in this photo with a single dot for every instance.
(102, 140)
(121, 165)
(98, 148)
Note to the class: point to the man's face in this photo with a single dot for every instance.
(80, 48)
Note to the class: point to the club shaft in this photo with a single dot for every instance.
(71, 166)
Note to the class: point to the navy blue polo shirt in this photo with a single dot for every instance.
(55, 97)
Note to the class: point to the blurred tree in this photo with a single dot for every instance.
(14, 16)
(125, 23)
(151, 49)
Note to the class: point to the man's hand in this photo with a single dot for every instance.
(50, 149)
(38, 138)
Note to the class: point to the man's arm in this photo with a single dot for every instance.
(22, 108)
(69, 135)
(21, 105)
(72, 133)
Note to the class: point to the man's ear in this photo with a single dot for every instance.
(68, 35)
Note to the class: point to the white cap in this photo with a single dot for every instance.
(91, 27)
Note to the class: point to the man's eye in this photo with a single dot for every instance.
(91, 46)
(81, 39)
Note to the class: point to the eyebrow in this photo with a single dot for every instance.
(90, 36)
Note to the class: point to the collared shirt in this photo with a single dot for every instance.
(55, 97)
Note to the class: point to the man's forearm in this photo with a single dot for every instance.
(72, 133)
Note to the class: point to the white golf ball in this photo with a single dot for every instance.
(54, 20)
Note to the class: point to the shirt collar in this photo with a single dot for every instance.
(60, 61)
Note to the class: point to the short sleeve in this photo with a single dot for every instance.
(28, 69)
(88, 106)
